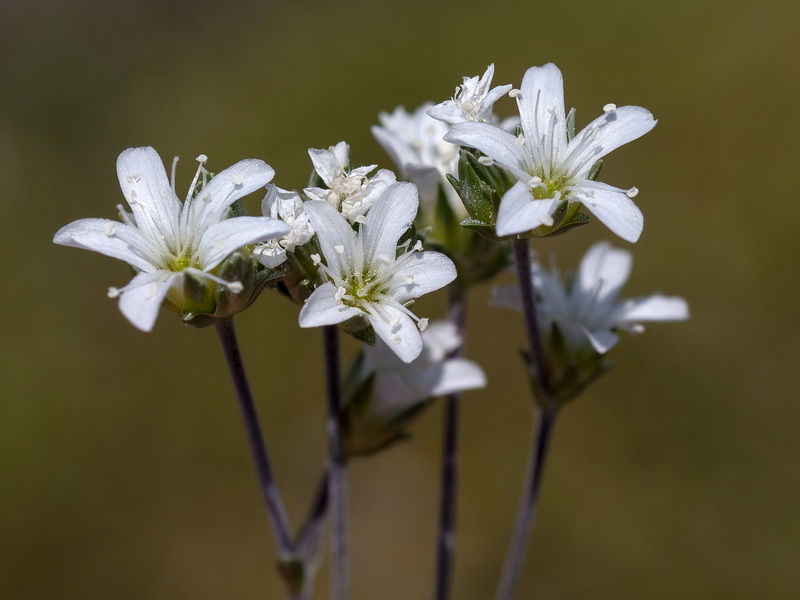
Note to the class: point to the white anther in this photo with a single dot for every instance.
(534, 181)
(316, 259)
(201, 159)
(409, 279)
(360, 219)
(340, 293)
(422, 324)
(631, 193)
(237, 178)
(547, 221)
(111, 229)
(133, 178)
(609, 107)
(486, 161)
(418, 246)
(206, 198)
(395, 339)
(339, 249)
(113, 292)
(384, 259)
(395, 321)
(236, 287)
(520, 141)
(514, 93)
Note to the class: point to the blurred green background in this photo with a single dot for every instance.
(124, 472)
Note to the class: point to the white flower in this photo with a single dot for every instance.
(349, 190)
(398, 386)
(288, 207)
(472, 101)
(163, 239)
(586, 308)
(366, 277)
(551, 169)
(415, 142)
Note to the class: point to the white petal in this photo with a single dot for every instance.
(610, 131)
(459, 374)
(322, 308)
(402, 338)
(602, 340)
(519, 212)
(541, 100)
(611, 206)
(223, 238)
(606, 264)
(654, 308)
(325, 164)
(391, 396)
(142, 297)
(448, 112)
(439, 339)
(400, 152)
(93, 234)
(391, 215)
(147, 190)
(421, 273)
(494, 143)
(332, 231)
(235, 182)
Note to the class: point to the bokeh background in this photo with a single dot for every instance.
(124, 472)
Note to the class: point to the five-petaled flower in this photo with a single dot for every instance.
(366, 275)
(472, 102)
(551, 168)
(165, 240)
(586, 308)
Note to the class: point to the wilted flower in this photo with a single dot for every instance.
(170, 244)
(551, 167)
(287, 206)
(350, 191)
(366, 277)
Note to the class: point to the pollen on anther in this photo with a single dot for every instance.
(409, 279)
(422, 324)
(486, 161)
(418, 246)
(533, 181)
(111, 229)
(113, 292)
(395, 339)
(237, 178)
(631, 193)
(201, 159)
(340, 293)
(316, 259)
(514, 93)
(236, 287)
(339, 249)
(609, 107)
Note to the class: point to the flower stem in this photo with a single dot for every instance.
(522, 258)
(310, 534)
(272, 497)
(540, 441)
(526, 513)
(446, 541)
(337, 474)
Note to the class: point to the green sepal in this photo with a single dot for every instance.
(594, 172)
(571, 124)
(366, 335)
